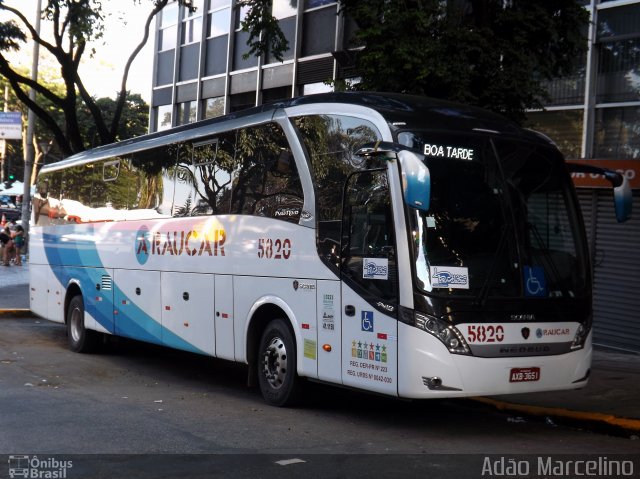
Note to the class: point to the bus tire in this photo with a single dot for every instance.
(276, 365)
(81, 339)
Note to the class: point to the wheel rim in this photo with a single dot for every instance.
(76, 324)
(275, 363)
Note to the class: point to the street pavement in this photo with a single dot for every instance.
(609, 403)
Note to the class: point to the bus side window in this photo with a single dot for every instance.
(213, 162)
(266, 181)
(368, 241)
(331, 142)
(156, 171)
(46, 200)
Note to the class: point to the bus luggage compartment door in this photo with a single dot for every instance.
(137, 304)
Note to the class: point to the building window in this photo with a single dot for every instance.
(308, 4)
(314, 88)
(271, 95)
(191, 30)
(219, 23)
(241, 14)
(619, 54)
(169, 15)
(318, 34)
(214, 107)
(163, 117)
(563, 126)
(617, 135)
(168, 27)
(186, 112)
(213, 4)
(192, 24)
(242, 101)
(198, 7)
(284, 8)
(167, 38)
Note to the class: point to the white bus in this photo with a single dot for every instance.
(383, 242)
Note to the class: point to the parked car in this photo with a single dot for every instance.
(10, 213)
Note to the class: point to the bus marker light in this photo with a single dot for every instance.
(382, 336)
(167, 308)
(326, 347)
(305, 326)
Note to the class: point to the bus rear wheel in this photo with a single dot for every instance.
(81, 339)
(279, 383)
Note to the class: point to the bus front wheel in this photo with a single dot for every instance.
(279, 383)
(81, 339)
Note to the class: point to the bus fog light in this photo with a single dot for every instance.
(448, 334)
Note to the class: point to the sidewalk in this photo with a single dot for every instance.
(14, 287)
(610, 402)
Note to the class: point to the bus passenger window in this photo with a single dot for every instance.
(266, 181)
(213, 165)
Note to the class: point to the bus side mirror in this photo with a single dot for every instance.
(622, 197)
(416, 180)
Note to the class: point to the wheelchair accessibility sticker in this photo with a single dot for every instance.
(535, 283)
(367, 321)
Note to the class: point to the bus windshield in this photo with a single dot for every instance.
(502, 221)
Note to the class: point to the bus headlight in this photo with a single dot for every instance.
(445, 332)
(580, 337)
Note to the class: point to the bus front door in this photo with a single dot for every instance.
(369, 285)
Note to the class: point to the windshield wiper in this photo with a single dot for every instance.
(484, 291)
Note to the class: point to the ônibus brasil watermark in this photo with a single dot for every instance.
(34, 467)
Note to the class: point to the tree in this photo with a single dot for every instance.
(74, 25)
(489, 53)
(133, 122)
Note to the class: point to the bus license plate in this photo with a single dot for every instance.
(521, 375)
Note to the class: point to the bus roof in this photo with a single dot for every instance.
(402, 112)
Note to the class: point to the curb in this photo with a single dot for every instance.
(15, 313)
(613, 423)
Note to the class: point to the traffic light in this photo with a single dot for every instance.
(8, 183)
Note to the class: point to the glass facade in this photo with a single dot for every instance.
(591, 114)
(595, 113)
(200, 70)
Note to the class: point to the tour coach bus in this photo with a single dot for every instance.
(389, 243)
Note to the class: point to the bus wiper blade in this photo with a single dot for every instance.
(547, 258)
(484, 291)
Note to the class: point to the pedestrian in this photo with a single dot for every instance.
(18, 243)
(7, 245)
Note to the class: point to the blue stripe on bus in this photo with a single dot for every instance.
(76, 249)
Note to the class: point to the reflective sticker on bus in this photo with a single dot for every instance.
(375, 268)
(450, 277)
(310, 349)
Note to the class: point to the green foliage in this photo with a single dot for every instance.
(73, 116)
(133, 121)
(264, 31)
(11, 36)
(489, 53)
